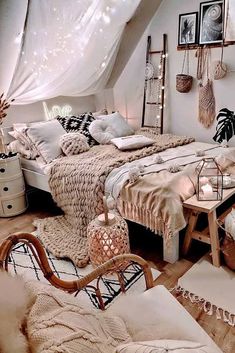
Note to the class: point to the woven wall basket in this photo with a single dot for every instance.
(184, 83)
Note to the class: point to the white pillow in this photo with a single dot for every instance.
(173, 346)
(101, 131)
(118, 123)
(132, 142)
(45, 137)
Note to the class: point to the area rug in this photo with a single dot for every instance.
(211, 287)
(23, 262)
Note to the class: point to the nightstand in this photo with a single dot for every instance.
(210, 234)
(12, 187)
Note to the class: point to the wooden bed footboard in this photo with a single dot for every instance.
(73, 286)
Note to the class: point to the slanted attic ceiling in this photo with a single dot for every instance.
(133, 32)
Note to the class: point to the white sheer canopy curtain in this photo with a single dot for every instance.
(230, 20)
(66, 47)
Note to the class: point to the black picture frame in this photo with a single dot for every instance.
(188, 29)
(211, 22)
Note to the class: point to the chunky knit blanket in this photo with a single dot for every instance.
(58, 323)
(77, 186)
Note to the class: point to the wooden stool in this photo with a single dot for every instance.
(209, 235)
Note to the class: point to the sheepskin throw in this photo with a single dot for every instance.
(58, 323)
(73, 143)
(77, 186)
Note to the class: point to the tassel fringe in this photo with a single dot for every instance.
(207, 116)
(209, 308)
(145, 217)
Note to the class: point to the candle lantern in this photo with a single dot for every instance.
(107, 237)
(209, 180)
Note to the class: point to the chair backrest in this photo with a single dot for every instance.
(72, 286)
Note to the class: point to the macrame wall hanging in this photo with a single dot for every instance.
(206, 109)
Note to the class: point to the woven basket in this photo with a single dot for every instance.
(228, 250)
(184, 83)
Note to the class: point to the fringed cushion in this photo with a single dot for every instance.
(73, 143)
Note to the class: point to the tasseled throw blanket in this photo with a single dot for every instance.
(77, 186)
(155, 200)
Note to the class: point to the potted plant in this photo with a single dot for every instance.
(225, 128)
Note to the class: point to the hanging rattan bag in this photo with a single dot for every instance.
(184, 82)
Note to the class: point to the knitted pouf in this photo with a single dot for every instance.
(107, 237)
(73, 143)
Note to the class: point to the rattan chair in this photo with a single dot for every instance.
(74, 286)
(157, 301)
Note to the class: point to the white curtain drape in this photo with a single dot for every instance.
(67, 47)
(230, 20)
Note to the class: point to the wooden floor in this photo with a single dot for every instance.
(149, 247)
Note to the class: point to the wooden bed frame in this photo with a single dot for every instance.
(41, 181)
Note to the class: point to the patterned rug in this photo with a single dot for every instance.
(23, 262)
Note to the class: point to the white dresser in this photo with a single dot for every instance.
(12, 187)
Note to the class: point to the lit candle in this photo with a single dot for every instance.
(207, 190)
(204, 180)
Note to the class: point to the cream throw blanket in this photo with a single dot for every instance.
(77, 186)
(58, 323)
(155, 200)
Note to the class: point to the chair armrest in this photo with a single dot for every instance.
(72, 286)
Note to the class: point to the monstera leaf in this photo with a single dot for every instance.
(225, 128)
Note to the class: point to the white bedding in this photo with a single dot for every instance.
(31, 164)
(35, 166)
(181, 156)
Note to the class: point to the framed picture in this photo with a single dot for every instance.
(188, 28)
(211, 22)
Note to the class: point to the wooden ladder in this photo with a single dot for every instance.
(159, 102)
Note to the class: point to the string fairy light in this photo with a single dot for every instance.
(57, 46)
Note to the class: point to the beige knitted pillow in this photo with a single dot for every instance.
(73, 143)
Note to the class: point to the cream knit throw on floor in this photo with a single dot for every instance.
(77, 186)
(58, 323)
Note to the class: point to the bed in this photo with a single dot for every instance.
(115, 175)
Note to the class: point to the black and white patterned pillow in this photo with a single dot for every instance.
(79, 124)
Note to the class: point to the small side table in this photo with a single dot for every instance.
(12, 187)
(209, 235)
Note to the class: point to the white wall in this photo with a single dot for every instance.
(35, 112)
(181, 113)
(128, 90)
